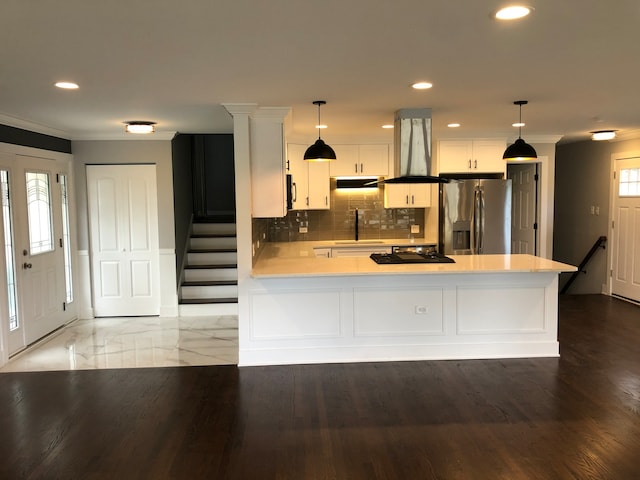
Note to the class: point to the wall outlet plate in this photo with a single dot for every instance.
(303, 229)
(415, 228)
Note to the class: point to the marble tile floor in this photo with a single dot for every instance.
(133, 342)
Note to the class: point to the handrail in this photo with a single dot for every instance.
(599, 243)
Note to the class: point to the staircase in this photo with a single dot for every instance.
(210, 280)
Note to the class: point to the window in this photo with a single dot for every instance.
(39, 213)
(629, 182)
(66, 243)
(8, 249)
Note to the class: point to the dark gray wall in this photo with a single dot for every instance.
(220, 175)
(584, 179)
(18, 136)
(181, 153)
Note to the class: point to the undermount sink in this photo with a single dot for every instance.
(358, 242)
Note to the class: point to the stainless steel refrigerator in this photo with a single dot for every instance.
(475, 217)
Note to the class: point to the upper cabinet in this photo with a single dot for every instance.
(407, 195)
(310, 183)
(268, 180)
(360, 160)
(471, 156)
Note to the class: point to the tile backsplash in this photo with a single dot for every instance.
(338, 223)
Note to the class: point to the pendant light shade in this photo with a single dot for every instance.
(319, 151)
(520, 150)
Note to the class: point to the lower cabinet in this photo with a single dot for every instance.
(407, 195)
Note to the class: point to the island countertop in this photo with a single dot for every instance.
(296, 259)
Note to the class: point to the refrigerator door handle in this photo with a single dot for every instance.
(481, 210)
(475, 222)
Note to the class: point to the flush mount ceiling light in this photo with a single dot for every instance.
(513, 12)
(319, 151)
(520, 150)
(140, 127)
(67, 85)
(422, 85)
(600, 135)
(453, 125)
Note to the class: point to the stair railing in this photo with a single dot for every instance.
(599, 244)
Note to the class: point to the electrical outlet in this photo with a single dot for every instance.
(415, 228)
(421, 309)
(303, 229)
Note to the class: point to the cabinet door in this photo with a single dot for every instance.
(396, 195)
(299, 175)
(420, 195)
(318, 186)
(268, 187)
(346, 162)
(487, 156)
(374, 160)
(454, 156)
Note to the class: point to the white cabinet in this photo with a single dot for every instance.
(310, 182)
(268, 181)
(469, 156)
(407, 195)
(360, 160)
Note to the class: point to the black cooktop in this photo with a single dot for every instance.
(409, 257)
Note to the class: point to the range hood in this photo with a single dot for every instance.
(412, 145)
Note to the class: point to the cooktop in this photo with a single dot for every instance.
(410, 257)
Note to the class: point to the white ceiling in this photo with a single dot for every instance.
(176, 62)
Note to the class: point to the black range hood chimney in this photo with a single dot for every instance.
(412, 146)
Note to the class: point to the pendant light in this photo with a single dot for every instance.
(319, 151)
(520, 150)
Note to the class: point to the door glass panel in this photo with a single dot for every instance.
(9, 249)
(629, 182)
(66, 239)
(39, 213)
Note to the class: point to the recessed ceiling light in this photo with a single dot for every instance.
(422, 85)
(387, 126)
(321, 126)
(513, 12)
(453, 125)
(140, 127)
(518, 124)
(603, 135)
(67, 85)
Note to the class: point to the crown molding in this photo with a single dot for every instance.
(15, 122)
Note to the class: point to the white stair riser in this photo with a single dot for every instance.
(203, 291)
(212, 258)
(214, 228)
(213, 242)
(209, 309)
(210, 274)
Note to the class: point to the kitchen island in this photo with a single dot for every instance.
(304, 309)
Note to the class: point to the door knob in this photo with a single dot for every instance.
(26, 265)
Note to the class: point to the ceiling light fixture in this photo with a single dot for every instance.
(453, 125)
(520, 150)
(387, 126)
(422, 85)
(319, 151)
(140, 127)
(600, 135)
(513, 12)
(67, 85)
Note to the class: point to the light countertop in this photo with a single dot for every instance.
(297, 259)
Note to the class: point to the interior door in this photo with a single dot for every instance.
(625, 274)
(123, 222)
(34, 205)
(524, 216)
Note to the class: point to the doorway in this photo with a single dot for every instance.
(36, 281)
(123, 226)
(524, 216)
(625, 251)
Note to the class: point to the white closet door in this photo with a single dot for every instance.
(123, 218)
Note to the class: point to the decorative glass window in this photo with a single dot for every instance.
(629, 182)
(66, 242)
(39, 213)
(9, 250)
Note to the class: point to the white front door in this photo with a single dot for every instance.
(123, 224)
(524, 204)
(625, 274)
(32, 220)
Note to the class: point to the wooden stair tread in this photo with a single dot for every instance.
(202, 301)
(212, 266)
(209, 283)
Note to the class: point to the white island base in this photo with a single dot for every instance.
(352, 310)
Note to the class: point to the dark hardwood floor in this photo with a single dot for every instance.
(576, 417)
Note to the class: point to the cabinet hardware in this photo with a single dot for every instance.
(412, 200)
(475, 164)
(469, 164)
(26, 265)
(361, 168)
(356, 167)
